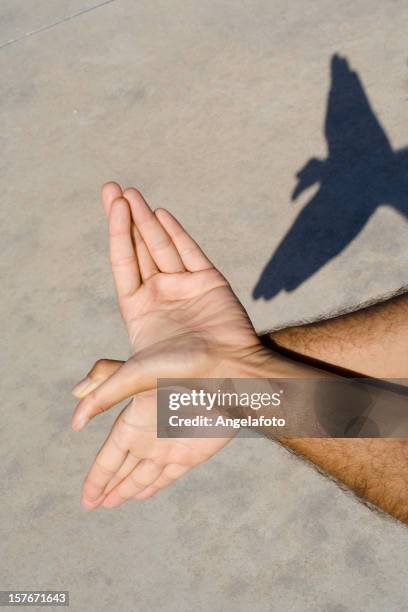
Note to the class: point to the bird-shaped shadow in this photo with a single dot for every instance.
(360, 173)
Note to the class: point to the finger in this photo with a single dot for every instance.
(121, 250)
(131, 378)
(147, 265)
(107, 462)
(127, 466)
(191, 255)
(101, 370)
(142, 476)
(170, 474)
(156, 238)
(110, 191)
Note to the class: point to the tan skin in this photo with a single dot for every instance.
(183, 321)
(182, 317)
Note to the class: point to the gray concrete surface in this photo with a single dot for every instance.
(210, 108)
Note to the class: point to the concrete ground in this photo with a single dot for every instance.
(211, 108)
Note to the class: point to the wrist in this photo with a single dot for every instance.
(264, 362)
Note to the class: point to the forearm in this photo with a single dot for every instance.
(375, 469)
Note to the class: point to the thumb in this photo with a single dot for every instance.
(126, 379)
(100, 371)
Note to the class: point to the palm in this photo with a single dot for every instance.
(159, 461)
(199, 305)
(136, 430)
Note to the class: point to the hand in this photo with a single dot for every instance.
(158, 270)
(133, 462)
(183, 321)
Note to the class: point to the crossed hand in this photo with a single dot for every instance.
(183, 321)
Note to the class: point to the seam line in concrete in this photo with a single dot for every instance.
(52, 25)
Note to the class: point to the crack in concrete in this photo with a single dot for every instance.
(52, 25)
